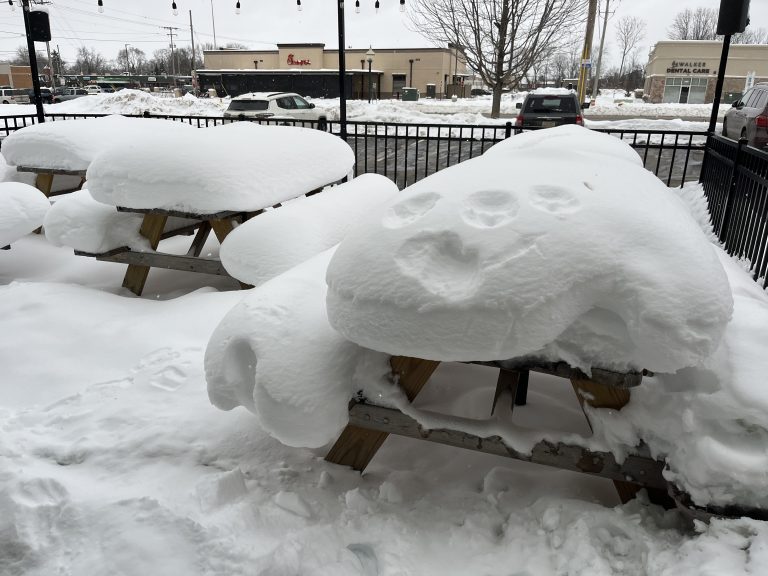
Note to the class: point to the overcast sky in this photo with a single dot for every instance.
(263, 23)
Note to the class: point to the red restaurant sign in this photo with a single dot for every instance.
(295, 62)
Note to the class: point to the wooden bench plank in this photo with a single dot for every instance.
(184, 263)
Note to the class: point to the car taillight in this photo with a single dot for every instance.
(579, 120)
(761, 121)
(519, 120)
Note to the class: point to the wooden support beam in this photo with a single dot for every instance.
(152, 229)
(356, 446)
(180, 262)
(221, 227)
(508, 381)
(640, 467)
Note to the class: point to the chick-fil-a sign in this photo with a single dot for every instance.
(294, 62)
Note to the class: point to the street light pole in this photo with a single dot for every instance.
(369, 58)
(410, 74)
(127, 61)
(33, 63)
(342, 72)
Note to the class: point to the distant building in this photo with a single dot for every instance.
(15, 76)
(312, 70)
(685, 71)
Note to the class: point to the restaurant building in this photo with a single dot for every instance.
(312, 70)
(685, 71)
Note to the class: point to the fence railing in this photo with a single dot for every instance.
(735, 181)
(406, 153)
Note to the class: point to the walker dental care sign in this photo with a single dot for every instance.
(688, 67)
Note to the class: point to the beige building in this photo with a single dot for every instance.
(685, 71)
(312, 70)
(15, 76)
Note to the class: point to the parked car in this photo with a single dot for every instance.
(45, 95)
(13, 96)
(479, 92)
(272, 106)
(93, 89)
(748, 117)
(548, 109)
(64, 94)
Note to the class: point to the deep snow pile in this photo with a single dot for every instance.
(22, 209)
(239, 166)
(278, 240)
(72, 145)
(555, 243)
(128, 101)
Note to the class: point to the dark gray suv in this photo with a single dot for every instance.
(549, 108)
(748, 117)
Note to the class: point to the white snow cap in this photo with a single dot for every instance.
(72, 145)
(275, 241)
(535, 250)
(22, 209)
(79, 221)
(276, 354)
(238, 166)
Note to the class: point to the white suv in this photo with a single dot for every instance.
(14, 96)
(272, 106)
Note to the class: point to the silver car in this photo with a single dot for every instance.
(748, 117)
(272, 106)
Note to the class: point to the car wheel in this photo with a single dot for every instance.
(6, 102)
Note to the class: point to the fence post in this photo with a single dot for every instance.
(507, 129)
(729, 201)
(146, 114)
(322, 124)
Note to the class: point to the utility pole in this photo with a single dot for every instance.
(586, 52)
(596, 85)
(127, 61)
(50, 64)
(192, 35)
(213, 25)
(172, 33)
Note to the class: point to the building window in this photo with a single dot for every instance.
(685, 90)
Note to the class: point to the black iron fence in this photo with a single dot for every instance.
(735, 180)
(406, 153)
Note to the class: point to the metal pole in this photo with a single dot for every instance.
(342, 72)
(719, 85)
(213, 25)
(192, 35)
(370, 80)
(410, 75)
(33, 64)
(127, 61)
(596, 85)
(587, 50)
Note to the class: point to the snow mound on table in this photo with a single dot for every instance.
(79, 221)
(239, 166)
(585, 258)
(73, 144)
(278, 240)
(22, 209)
(710, 422)
(275, 354)
(10, 174)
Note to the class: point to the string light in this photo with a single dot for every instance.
(101, 7)
(12, 5)
(237, 7)
(298, 5)
(377, 6)
(175, 10)
(402, 5)
(357, 6)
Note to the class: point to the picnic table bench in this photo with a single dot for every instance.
(44, 178)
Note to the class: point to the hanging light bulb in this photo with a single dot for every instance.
(357, 6)
(377, 6)
(402, 5)
(298, 5)
(237, 7)
(175, 10)
(101, 7)
(12, 5)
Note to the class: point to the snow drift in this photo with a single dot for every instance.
(22, 209)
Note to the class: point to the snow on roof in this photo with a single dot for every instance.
(22, 209)
(72, 145)
(581, 256)
(277, 240)
(237, 166)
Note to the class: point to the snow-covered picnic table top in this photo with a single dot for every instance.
(239, 166)
(72, 145)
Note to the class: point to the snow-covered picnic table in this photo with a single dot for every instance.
(67, 148)
(184, 181)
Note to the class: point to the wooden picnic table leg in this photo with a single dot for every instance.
(356, 446)
(152, 229)
(603, 396)
(222, 228)
(44, 182)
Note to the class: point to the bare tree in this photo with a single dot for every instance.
(699, 24)
(630, 30)
(501, 39)
(751, 36)
(21, 57)
(89, 61)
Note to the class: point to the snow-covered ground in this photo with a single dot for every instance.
(639, 114)
(113, 460)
